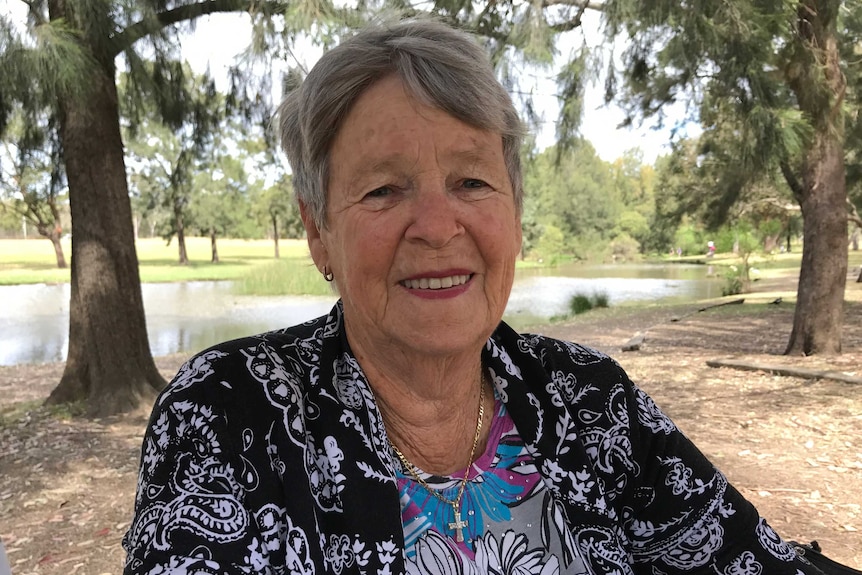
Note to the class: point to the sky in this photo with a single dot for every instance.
(219, 38)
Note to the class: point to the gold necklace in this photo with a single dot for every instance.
(459, 523)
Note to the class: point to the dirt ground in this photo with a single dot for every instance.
(792, 446)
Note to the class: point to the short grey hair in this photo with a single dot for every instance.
(442, 67)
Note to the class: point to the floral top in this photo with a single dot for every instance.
(508, 509)
(268, 455)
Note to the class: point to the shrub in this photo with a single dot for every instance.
(581, 303)
(735, 281)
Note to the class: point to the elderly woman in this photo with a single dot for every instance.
(410, 430)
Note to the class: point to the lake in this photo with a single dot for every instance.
(187, 317)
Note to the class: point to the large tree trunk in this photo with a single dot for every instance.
(819, 315)
(275, 235)
(109, 363)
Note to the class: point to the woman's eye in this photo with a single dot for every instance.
(380, 192)
(474, 184)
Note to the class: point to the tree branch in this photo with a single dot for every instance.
(37, 15)
(853, 216)
(143, 28)
(574, 22)
(582, 4)
(792, 181)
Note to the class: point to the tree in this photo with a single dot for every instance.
(32, 180)
(774, 67)
(769, 72)
(573, 195)
(275, 207)
(69, 58)
(633, 185)
(166, 159)
(222, 203)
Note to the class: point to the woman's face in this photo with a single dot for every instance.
(422, 231)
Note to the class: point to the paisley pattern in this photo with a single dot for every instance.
(268, 455)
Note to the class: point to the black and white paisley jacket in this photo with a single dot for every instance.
(268, 455)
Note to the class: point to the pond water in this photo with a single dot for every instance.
(187, 317)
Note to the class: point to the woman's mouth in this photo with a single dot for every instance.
(437, 283)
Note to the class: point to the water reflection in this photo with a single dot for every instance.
(181, 317)
(191, 316)
(537, 296)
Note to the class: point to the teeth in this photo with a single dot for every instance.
(436, 283)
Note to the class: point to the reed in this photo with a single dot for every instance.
(288, 276)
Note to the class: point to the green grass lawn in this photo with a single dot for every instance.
(33, 261)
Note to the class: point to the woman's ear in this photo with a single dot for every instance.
(315, 242)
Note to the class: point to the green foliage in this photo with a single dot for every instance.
(734, 282)
(32, 177)
(571, 194)
(276, 212)
(625, 248)
(691, 239)
(745, 243)
(581, 303)
(283, 277)
(550, 245)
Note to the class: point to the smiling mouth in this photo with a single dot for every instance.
(437, 283)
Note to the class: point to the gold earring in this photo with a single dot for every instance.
(327, 275)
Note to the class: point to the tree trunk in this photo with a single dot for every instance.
(58, 251)
(109, 363)
(275, 235)
(53, 233)
(214, 246)
(819, 316)
(181, 236)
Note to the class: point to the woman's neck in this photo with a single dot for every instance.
(431, 415)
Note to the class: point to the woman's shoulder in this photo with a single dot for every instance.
(249, 365)
(558, 352)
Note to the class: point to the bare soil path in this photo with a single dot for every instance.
(792, 446)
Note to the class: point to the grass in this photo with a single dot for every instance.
(283, 277)
(33, 261)
(581, 303)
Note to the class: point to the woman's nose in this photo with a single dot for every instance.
(435, 216)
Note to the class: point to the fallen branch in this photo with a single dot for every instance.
(731, 302)
(785, 370)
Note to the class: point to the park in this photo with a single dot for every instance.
(146, 214)
(791, 444)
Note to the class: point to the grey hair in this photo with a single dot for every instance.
(442, 67)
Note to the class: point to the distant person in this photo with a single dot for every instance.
(410, 430)
(710, 249)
